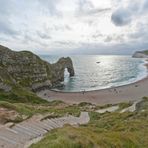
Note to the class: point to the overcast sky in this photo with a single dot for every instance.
(74, 26)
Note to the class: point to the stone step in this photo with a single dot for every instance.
(50, 124)
(53, 121)
(72, 120)
(28, 129)
(63, 120)
(18, 135)
(6, 144)
(40, 125)
(33, 129)
(25, 133)
(47, 126)
(36, 128)
(11, 130)
(8, 140)
(10, 135)
(44, 126)
(59, 122)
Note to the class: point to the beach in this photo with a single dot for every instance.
(126, 93)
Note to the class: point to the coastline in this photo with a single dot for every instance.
(124, 93)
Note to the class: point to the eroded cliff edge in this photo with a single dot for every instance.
(28, 70)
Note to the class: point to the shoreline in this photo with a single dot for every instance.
(145, 64)
(123, 93)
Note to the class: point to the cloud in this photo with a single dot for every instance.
(69, 25)
(84, 5)
(121, 17)
(6, 27)
(95, 11)
(124, 15)
(43, 35)
(87, 8)
(50, 6)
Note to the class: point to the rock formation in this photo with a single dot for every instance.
(141, 54)
(28, 70)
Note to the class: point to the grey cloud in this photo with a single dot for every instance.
(97, 34)
(98, 10)
(94, 12)
(64, 42)
(125, 15)
(6, 28)
(62, 27)
(43, 35)
(114, 37)
(27, 39)
(141, 32)
(68, 27)
(145, 5)
(108, 39)
(86, 8)
(121, 17)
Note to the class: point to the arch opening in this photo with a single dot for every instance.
(66, 75)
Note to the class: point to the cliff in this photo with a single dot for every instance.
(141, 54)
(28, 70)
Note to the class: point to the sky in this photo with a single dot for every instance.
(74, 26)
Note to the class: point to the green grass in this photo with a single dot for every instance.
(53, 107)
(108, 130)
(146, 52)
(21, 95)
(28, 104)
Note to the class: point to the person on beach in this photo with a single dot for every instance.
(115, 90)
(83, 92)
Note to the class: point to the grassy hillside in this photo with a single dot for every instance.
(26, 103)
(108, 130)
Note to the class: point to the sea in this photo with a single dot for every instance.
(95, 72)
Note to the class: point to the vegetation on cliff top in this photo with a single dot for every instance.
(146, 52)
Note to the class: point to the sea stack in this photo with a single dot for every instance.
(28, 70)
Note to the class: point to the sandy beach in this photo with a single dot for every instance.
(126, 93)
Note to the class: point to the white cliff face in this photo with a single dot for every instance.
(140, 55)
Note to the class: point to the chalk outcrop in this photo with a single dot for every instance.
(28, 70)
(141, 54)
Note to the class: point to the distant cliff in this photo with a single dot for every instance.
(141, 54)
(28, 70)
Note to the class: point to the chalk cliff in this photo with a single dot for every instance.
(141, 54)
(28, 70)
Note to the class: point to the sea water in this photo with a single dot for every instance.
(94, 72)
